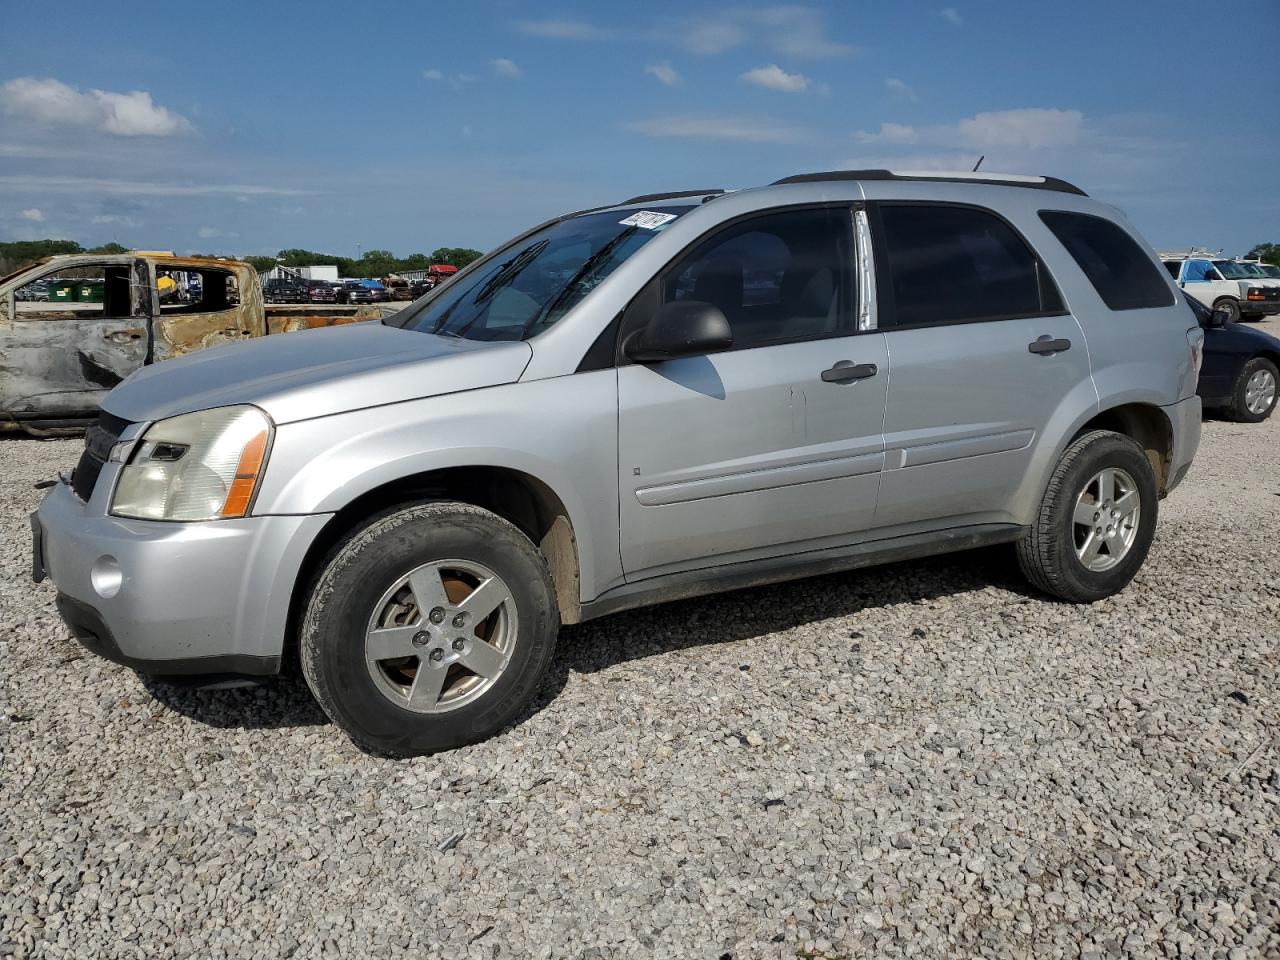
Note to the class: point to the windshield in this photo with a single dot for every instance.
(537, 280)
(1232, 270)
(1271, 270)
(1252, 269)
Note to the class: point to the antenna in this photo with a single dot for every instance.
(979, 163)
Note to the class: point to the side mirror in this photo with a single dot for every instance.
(682, 329)
(1220, 317)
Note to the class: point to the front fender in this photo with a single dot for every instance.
(561, 431)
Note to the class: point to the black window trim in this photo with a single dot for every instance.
(622, 325)
(1173, 300)
(886, 307)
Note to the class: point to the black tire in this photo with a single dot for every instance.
(1231, 306)
(1239, 409)
(1047, 551)
(361, 569)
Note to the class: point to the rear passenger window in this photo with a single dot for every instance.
(953, 264)
(1119, 270)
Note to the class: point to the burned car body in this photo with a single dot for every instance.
(105, 316)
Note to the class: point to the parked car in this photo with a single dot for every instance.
(33, 292)
(420, 288)
(1241, 367)
(114, 314)
(398, 289)
(1270, 269)
(377, 292)
(278, 290)
(352, 292)
(319, 291)
(416, 506)
(1225, 285)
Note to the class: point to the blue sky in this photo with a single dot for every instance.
(254, 127)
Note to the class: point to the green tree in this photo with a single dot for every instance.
(21, 253)
(1266, 252)
(111, 247)
(458, 256)
(260, 263)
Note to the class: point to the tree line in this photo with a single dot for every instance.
(374, 263)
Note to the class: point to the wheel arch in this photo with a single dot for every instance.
(1144, 423)
(524, 500)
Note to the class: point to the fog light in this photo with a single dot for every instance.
(106, 577)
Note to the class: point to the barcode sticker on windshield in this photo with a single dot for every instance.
(647, 219)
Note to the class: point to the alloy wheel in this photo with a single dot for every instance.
(441, 635)
(1260, 392)
(1105, 519)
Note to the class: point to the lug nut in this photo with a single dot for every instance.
(437, 654)
(459, 643)
(436, 615)
(421, 639)
(460, 620)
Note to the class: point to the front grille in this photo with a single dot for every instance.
(99, 438)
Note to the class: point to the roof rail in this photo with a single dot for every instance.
(1008, 180)
(674, 195)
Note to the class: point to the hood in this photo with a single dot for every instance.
(315, 373)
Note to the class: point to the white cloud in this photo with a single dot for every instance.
(794, 31)
(952, 16)
(901, 90)
(34, 214)
(50, 101)
(561, 29)
(140, 188)
(712, 38)
(1031, 128)
(108, 219)
(432, 74)
(506, 68)
(739, 129)
(914, 161)
(895, 133)
(773, 77)
(664, 72)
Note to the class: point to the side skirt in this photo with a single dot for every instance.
(754, 573)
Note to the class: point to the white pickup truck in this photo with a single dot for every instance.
(1225, 285)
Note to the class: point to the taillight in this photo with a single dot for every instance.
(1195, 340)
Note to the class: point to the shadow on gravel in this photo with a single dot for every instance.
(707, 621)
(758, 611)
(282, 702)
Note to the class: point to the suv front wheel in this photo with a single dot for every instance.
(429, 628)
(1096, 521)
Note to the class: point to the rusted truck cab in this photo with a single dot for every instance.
(72, 327)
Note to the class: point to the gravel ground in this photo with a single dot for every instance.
(922, 760)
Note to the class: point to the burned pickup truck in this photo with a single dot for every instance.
(72, 327)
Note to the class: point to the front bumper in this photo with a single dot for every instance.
(1268, 308)
(1184, 418)
(172, 598)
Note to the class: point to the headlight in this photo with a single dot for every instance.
(199, 466)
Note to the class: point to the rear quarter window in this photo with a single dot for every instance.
(1118, 268)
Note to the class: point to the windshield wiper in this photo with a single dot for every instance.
(581, 274)
(508, 271)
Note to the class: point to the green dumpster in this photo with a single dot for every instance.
(90, 291)
(62, 291)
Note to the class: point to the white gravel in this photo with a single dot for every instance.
(923, 760)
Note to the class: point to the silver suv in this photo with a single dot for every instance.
(679, 394)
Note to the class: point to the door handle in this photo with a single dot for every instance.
(1047, 344)
(125, 336)
(846, 371)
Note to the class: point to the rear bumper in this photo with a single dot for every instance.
(173, 598)
(1184, 418)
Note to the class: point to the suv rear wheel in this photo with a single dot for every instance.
(429, 628)
(1096, 521)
